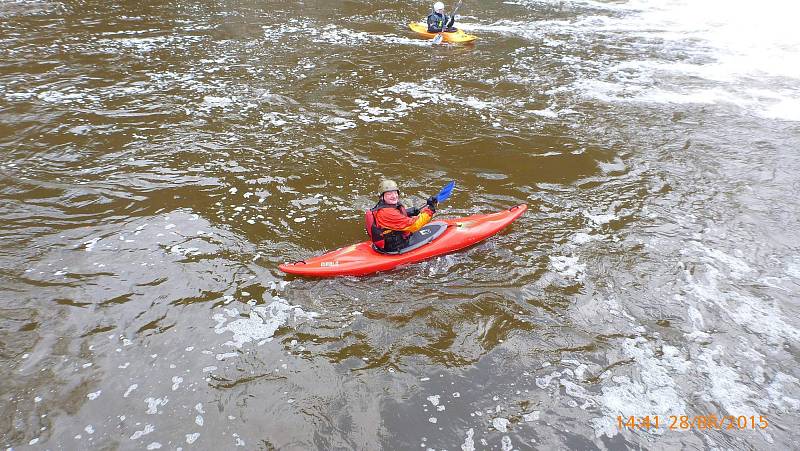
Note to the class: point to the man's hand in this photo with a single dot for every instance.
(432, 201)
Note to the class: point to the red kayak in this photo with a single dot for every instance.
(436, 238)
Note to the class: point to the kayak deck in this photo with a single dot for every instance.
(457, 36)
(361, 259)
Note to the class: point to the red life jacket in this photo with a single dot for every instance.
(378, 234)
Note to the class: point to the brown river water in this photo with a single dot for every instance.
(158, 160)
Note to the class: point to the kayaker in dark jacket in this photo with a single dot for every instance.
(389, 224)
(438, 21)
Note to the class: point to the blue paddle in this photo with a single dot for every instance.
(445, 192)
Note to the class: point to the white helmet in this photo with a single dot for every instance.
(438, 6)
(388, 185)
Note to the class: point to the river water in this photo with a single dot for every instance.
(158, 160)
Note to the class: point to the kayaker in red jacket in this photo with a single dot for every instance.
(389, 224)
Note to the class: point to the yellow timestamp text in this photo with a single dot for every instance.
(693, 422)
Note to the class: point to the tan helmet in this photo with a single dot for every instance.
(388, 185)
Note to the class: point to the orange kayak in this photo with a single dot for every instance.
(361, 259)
(457, 36)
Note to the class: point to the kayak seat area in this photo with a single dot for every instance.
(421, 237)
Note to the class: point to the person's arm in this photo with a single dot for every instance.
(392, 219)
(430, 204)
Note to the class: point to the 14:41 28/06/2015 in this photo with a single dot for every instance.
(697, 422)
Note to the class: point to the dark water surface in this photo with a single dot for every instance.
(158, 160)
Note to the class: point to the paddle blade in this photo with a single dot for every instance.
(445, 192)
(438, 38)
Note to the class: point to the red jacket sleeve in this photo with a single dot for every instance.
(392, 219)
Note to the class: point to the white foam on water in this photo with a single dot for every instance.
(176, 382)
(576, 391)
(469, 444)
(341, 124)
(654, 391)
(94, 395)
(146, 44)
(399, 100)
(333, 34)
(20, 96)
(262, 322)
(434, 400)
(532, 416)
(148, 428)
(747, 54)
(491, 176)
(749, 40)
(153, 403)
(91, 244)
(216, 102)
(614, 166)
(472, 102)
(186, 251)
(678, 95)
(778, 391)
(568, 266)
(191, 438)
(738, 267)
(501, 26)
(583, 238)
(600, 218)
(787, 108)
(276, 119)
(272, 32)
(130, 389)
(759, 316)
(544, 381)
(80, 130)
(727, 388)
(226, 355)
(568, 3)
(547, 112)
(500, 424)
(61, 97)
(793, 268)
